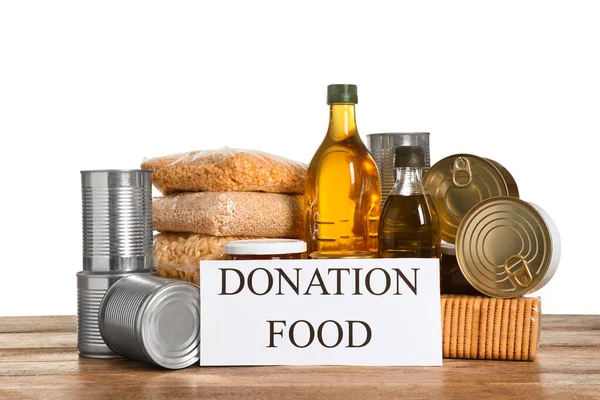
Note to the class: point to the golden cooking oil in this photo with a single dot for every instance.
(342, 187)
(406, 230)
(409, 226)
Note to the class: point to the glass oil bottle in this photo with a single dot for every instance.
(342, 186)
(409, 226)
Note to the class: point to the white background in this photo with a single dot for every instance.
(94, 85)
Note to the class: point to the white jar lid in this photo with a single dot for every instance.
(265, 247)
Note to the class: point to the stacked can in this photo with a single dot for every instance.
(493, 243)
(117, 241)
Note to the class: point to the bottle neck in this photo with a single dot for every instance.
(342, 121)
(408, 181)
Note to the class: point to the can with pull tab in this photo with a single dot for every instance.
(457, 183)
(507, 247)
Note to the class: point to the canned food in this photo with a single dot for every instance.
(153, 320)
(117, 220)
(266, 249)
(91, 288)
(507, 247)
(459, 182)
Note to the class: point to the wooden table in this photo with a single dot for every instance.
(38, 359)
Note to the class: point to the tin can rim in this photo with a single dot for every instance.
(110, 171)
(398, 133)
(492, 163)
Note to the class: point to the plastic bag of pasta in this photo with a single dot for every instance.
(177, 255)
(226, 170)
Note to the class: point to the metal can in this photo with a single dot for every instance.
(117, 220)
(507, 247)
(459, 182)
(154, 320)
(91, 288)
(382, 146)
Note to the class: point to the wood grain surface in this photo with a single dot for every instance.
(38, 360)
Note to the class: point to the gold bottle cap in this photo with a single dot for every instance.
(507, 247)
(457, 183)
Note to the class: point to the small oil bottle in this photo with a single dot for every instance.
(409, 226)
(342, 187)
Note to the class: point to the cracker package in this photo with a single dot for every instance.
(489, 328)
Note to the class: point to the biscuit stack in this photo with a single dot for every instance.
(490, 328)
(213, 197)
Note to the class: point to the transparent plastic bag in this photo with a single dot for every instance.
(188, 273)
(230, 214)
(189, 248)
(226, 170)
(177, 255)
(488, 328)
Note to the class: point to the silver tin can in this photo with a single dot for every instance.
(117, 220)
(382, 145)
(91, 288)
(153, 320)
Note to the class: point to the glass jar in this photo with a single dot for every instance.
(265, 249)
(339, 255)
(452, 280)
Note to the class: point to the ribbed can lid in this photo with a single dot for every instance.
(507, 247)
(265, 247)
(170, 326)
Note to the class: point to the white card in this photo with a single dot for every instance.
(321, 312)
